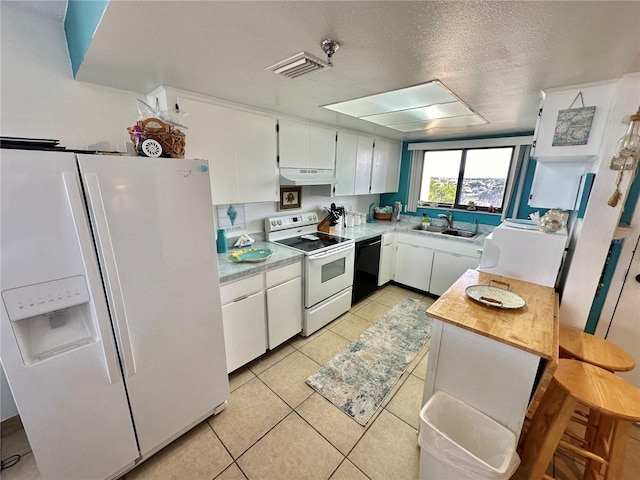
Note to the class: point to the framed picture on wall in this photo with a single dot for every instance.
(290, 198)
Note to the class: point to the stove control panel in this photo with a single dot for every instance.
(274, 224)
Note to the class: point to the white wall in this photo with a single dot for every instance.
(600, 219)
(41, 99)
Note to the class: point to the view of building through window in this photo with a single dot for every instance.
(458, 177)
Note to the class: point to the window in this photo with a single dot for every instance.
(455, 178)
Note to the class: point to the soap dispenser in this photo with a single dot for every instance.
(426, 221)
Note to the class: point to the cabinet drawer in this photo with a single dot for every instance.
(241, 288)
(283, 274)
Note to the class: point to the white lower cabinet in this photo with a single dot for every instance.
(413, 266)
(261, 312)
(447, 268)
(244, 321)
(387, 258)
(431, 263)
(284, 303)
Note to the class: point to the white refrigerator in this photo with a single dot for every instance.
(111, 324)
(525, 254)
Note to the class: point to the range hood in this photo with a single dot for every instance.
(306, 176)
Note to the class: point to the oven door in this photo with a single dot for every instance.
(328, 273)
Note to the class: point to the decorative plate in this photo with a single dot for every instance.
(251, 255)
(494, 296)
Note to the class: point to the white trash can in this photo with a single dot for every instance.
(459, 442)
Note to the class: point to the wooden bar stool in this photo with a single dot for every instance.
(617, 403)
(574, 343)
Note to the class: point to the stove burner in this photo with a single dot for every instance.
(323, 241)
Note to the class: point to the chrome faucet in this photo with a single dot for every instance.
(449, 217)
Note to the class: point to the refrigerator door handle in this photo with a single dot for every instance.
(93, 276)
(112, 283)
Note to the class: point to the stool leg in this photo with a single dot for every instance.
(617, 449)
(545, 432)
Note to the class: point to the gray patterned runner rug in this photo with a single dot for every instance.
(358, 379)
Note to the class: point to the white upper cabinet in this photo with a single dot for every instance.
(385, 170)
(569, 129)
(241, 150)
(364, 159)
(301, 145)
(346, 153)
(256, 150)
(556, 185)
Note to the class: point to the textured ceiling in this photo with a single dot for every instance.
(495, 56)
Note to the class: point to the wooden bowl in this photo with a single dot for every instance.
(382, 216)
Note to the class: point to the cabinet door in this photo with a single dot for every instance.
(385, 169)
(413, 266)
(211, 137)
(284, 311)
(556, 185)
(387, 259)
(392, 178)
(346, 154)
(244, 330)
(256, 154)
(447, 268)
(601, 96)
(364, 160)
(379, 166)
(322, 147)
(293, 144)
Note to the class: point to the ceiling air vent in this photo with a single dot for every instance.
(298, 65)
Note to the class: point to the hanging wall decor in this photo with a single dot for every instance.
(573, 125)
(626, 155)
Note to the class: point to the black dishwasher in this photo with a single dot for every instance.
(365, 272)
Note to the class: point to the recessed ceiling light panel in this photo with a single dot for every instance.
(452, 122)
(432, 112)
(417, 104)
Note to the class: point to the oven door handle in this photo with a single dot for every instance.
(331, 252)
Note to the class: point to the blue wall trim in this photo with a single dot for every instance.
(80, 25)
(631, 202)
(459, 215)
(603, 286)
(586, 192)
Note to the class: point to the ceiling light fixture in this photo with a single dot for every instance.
(329, 47)
(421, 107)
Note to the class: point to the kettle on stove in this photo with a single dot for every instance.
(397, 208)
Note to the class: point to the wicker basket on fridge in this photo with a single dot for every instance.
(169, 137)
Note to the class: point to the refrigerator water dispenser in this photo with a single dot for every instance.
(50, 318)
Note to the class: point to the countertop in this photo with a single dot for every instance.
(533, 328)
(229, 271)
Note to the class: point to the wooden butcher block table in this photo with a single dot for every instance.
(496, 359)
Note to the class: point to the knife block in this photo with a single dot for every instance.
(325, 226)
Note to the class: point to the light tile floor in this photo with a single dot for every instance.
(276, 427)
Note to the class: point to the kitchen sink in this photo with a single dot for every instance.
(430, 229)
(459, 233)
(446, 231)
